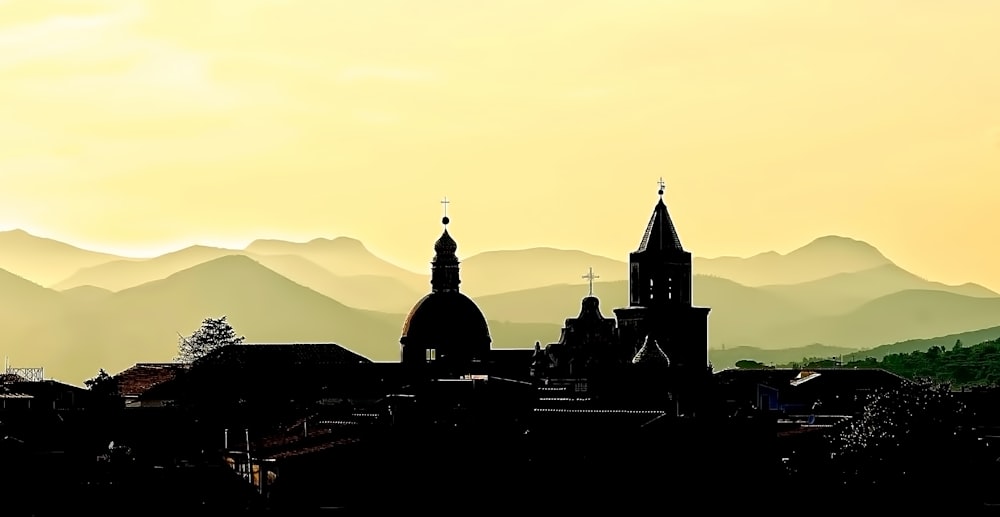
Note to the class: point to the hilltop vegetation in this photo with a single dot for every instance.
(959, 366)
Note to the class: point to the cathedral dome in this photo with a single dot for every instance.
(449, 322)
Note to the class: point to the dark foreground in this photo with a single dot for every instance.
(690, 467)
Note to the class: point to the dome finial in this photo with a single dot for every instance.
(662, 185)
(444, 203)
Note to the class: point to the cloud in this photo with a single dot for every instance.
(64, 36)
(96, 66)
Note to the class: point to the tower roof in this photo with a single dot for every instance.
(661, 235)
(445, 245)
(651, 354)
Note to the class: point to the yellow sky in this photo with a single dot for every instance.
(137, 126)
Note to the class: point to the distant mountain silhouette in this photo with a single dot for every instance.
(495, 272)
(844, 292)
(117, 275)
(87, 294)
(23, 300)
(342, 256)
(73, 337)
(821, 258)
(44, 261)
(363, 291)
(895, 317)
(727, 358)
(837, 291)
(372, 292)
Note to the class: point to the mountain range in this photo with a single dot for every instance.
(74, 311)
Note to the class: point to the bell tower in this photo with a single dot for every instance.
(660, 297)
(660, 267)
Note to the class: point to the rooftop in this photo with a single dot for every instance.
(139, 378)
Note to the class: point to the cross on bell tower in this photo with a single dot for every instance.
(662, 187)
(444, 203)
(590, 276)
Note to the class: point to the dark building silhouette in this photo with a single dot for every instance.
(445, 331)
(654, 349)
(587, 344)
(660, 305)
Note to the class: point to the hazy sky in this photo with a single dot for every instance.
(139, 127)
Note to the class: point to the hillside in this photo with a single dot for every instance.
(86, 294)
(922, 345)
(122, 274)
(727, 358)
(844, 292)
(342, 256)
(891, 318)
(821, 258)
(22, 300)
(44, 261)
(496, 272)
(74, 336)
(370, 292)
(362, 291)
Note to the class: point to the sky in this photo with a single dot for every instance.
(139, 127)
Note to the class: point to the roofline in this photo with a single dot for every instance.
(349, 349)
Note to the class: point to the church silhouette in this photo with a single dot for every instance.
(661, 335)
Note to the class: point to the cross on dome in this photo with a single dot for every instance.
(590, 276)
(444, 203)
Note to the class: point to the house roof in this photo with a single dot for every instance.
(285, 365)
(297, 354)
(823, 378)
(139, 378)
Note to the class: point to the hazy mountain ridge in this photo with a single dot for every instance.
(343, 256)
(361, 291)
(495, 272)
(823, 257)
(87, 325)
(843, 292)
(72, 337)
(895, 317)
(45, 261)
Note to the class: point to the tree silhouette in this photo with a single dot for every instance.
(105, 390)
(213, 333)
(102, 383)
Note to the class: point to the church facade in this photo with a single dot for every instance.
(660, 337)
(661, 325)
